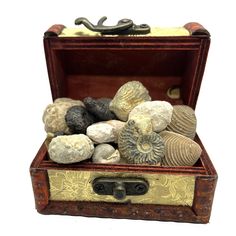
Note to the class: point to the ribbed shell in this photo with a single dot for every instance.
(179, 150)
(127, 97)
(183, 121)
(140, 148)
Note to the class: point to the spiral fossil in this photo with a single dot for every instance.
(140, 148)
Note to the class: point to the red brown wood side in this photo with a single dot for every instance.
(198, 213)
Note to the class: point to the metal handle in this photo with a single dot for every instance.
(123, 27)
(120, 187)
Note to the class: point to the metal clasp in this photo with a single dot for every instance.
(120, 187)
(123, 27)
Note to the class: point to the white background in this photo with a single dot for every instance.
(24, 91)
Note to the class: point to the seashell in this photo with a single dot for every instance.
(78, 119)
(160, 113)
(106, 154)
(99, 108)
(101, 132)
(179, 150)
(140, 148)
(183, 121)
(70, 148)
(127, 97)
(54, 115)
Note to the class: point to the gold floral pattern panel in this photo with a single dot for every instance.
(164, 189)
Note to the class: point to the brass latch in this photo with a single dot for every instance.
(120, 187)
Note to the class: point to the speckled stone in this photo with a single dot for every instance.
(54, 115)
(101, 132)
(106, 154)
(160, 113)
(69, 149)
(99, 108)
(78, 119)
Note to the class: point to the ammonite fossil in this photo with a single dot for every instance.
(183, 121)
(78, 119)
(139, 148)
(127, 97)
(99, 108)
(179, 150)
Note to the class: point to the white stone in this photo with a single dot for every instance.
(117, 127)
(160, 113)
(68, 149)
(101, 132)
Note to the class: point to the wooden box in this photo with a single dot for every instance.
(81, 65)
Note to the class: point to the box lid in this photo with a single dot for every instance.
(169, 62)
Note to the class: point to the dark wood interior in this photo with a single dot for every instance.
(100, 73)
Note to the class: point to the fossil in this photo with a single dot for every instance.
(127, 97)
(106, 154)
(183, 121)
(179, 150)
(139, 148)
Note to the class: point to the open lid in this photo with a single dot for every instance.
(171, 67)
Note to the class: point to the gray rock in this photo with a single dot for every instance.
(78, 119)
(99, 108)
(69, 149)
(106, 154)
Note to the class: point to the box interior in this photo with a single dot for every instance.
(78, 69)
(100, 73)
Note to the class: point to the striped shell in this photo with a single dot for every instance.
(127, 97)
(179, 150)
(140, 148)
(183, 121)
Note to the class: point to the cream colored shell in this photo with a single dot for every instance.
(179, 150)
(54, 115)
(127, 97)
(68, 149)
(183, 121)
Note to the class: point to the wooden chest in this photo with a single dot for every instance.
(81, 65)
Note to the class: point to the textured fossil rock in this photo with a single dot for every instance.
(50, 136)
(160, 113)
(179, 150)
(70, 148)
(106, 154)
(139, 148)
(54, 115)
(78, 119)
(183, 121)
(127, 97)
(99, 108)
(101, 132)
